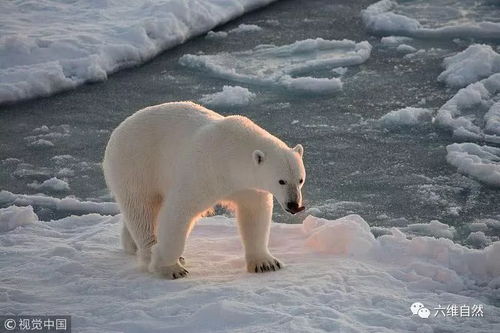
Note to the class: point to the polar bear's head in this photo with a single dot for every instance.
(281, 172)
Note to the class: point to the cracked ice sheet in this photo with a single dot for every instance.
(284, 66)
(435, 19)
(338, 278)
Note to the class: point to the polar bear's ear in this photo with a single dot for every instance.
(299, 149)
(258, 157)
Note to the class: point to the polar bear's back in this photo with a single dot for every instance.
(152, 139)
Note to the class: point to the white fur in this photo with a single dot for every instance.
(168, 164)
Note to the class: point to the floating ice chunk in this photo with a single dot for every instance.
(462, 112)
(311, 85)
(474, 63)
(284, 66)
(246, 28)
(340, 70)
(52, 184)
(479, 162)
(394, 40)
(379, 18)
(406, 117)
(216, 35)
(433, 229)
(229, 96)
(405, 48)
(13, 217)
(65, 204)
(465, 19)
(41, 143)
(39, 57)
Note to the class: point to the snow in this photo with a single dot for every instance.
(338, 277)
(406, 117)
(476, 62)
(13, 217)
(439, 19)
(479, 162)
(229, 96)
(284, 66)
(460, 113)
(52, 184)
(39, 57)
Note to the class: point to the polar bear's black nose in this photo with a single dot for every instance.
(293, 207)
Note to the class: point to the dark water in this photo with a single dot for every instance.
(353, 165)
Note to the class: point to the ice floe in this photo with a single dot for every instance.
(39, 56)
(436, 19)
(284, 66)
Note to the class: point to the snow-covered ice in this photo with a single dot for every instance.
(284, 66)
(406, 117)
(39, 56)
(476, 62)
(13, 217)
(338, 277)
(479, 162)
(438, 19)
(229, 96)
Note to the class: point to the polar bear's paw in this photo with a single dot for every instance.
(171, 272)
(266, 263)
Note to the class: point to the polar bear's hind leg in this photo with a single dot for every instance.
(140, 216)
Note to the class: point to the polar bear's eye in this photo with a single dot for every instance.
(301, 181)
(282, 182)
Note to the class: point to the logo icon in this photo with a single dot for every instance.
(420, 310)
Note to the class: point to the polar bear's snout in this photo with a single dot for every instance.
(294, 208)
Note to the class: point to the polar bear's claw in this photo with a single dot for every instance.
(172, 272)
(264, 265)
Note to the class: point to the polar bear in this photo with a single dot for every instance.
(168, 164)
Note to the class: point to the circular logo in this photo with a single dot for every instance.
(9, 324)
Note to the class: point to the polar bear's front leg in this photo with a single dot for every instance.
(254, 211)
(172, 230)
